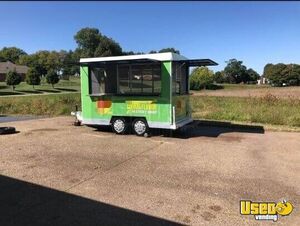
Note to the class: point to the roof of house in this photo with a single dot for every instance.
(7, 66)
(150, 57)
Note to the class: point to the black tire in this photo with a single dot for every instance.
(119, 125)
(7, 130)
(77, 123)
(140, 127)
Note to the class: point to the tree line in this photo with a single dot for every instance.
(235, 72)
(283, 74)
(92, 43)
(55, 64)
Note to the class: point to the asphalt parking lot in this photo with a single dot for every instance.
(53, 173)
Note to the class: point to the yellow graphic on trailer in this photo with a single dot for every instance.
(266, 210)
(143, 107)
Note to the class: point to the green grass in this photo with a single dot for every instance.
(243, 86)
(233, 87)
(50, 105)
(266, 110)
(72, 85)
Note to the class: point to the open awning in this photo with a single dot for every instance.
(200, 62)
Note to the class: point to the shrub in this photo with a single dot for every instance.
(219, 77)
(214, 86)
(33, 77)
(13, 79)
(201, 78)
(294, 82)
(52, 78)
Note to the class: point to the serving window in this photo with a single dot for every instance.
(125, 79)
(102, 79)
(139, 79)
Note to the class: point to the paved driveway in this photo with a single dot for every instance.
(55, 174)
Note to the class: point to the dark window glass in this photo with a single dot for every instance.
(140, 79)
(136, 79)
(179, 78)
(156, 78)
(98, 78)
(147, 80)
(103, 79)
(124, 79)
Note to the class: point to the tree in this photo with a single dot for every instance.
(37, 60)
(33, 77)
(128, 53)
(236, 71)
(13, 79)
(41, 64)
(268, 70)
(44, 60)
(219, 77)
(296, 70)
(165, 50)
(26, 60)
(278, 74)
(275, 73)
(88, 40)
(69, 63)
(292, 74)
(52, 77)
(11, 54)
(91, 43)
(54, 60)
(201, 78)
(107, 47)
(252, 75)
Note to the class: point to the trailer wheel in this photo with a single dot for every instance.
(140, 126)
(119, 125)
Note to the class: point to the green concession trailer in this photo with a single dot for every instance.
(138, 91)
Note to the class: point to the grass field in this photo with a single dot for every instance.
(49, 105)
(266, 110)
(232, 90)
(243, 86)
(63, 86)
(239, 103)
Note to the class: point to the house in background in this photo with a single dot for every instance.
(262, 81)
(7, 66)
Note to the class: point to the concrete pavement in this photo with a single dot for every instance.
(56, 174)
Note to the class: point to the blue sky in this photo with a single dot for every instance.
(254, 32)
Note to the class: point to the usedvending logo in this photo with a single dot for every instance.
(266, 210)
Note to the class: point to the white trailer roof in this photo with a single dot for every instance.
(155, 56)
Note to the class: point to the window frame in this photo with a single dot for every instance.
(153, 65)
(90, 71)
(180, 81)
(130, 65)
